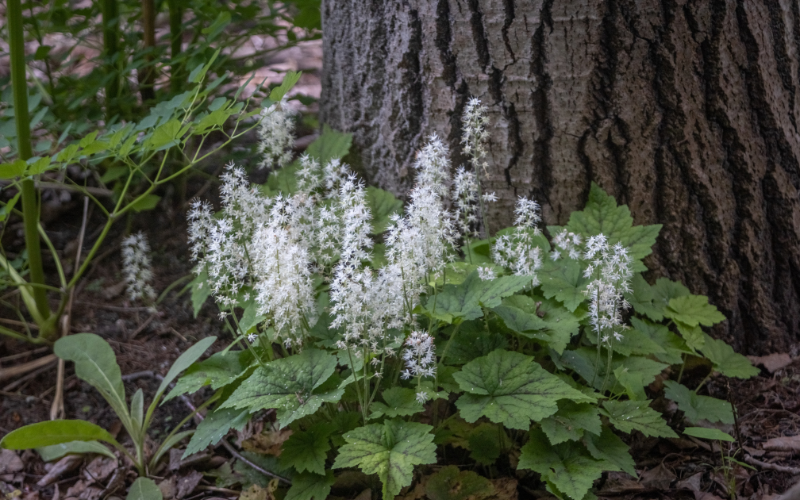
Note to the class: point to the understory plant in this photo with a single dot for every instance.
(382, 334)
(96, 364)
(139, 158)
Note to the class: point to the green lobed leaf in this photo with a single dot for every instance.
(307, 450)
(308, 486)
(471, 341)
(511, 389)
(144, 489)
(145, 203)
(643, 299)
(214, 427)
(583, 359)
(292, 385)
(465, 300)
(692, 310)
(391, 450)
(400, 401)
(706, 433)
(609, 447)
(696, 407)
(570, 422)
(633, 342)
(674, 347)
(567, 465)
(450, 483)
(331, 145)
(486, 442)
(693, 336)
(56, 451)
(96, 364)
(382, 205)
(631, 383)
(636, 415)
(726, 360)
(54, 432)
(289, 80)
(541, 319)
(564, 281)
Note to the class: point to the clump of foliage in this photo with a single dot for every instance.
(376, 334)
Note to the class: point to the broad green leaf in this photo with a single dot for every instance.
(96, 364)
(602, 215)
(692, 310)
(465, 300)
(511, 389)
(696, 407)
(570, 421)
(470, 341)
(114, 173)
(219, 370)
(144, 489)
(391, 450)
(665, 290)
(674, 347)
(583, 359)
(636, 415)
(706, 433)
(541, 319)
(382, 205)
(452, 484)
(293, 386)
(567, 465)
(13, 169)
(289, 80)
(250, 316)
(269, 463)
(631, 383)
(145, 203)
(633, 342)
(307, 450)
(137, 409)
(693, 336)
(608, 446)
(486, 442)
(308, 486)
(214, 427)
(400, 401)
(200, 291)
(643, 299)
(183, 362)
(56, 451)
(726, 361)
(54, 432)
(331, 145)
(564, 281)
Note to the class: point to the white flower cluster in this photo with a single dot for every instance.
(137, 268)
(569, 242)
(275, 134)
(517, 250)
(475, 133)
(419, 356)
(612, 269)
(466, 193)
(468, 184)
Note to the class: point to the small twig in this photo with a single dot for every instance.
(764, 465)
(217, 489)
(241, 458)
(8, 394)
(142, 326)
(14, 322)
(13, 385)
(137, 375)
(13, 371)
(114, 308)
(57, 408)
(23, 354)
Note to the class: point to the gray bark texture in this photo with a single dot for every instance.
(685, 110)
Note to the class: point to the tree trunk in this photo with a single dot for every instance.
(684, 110)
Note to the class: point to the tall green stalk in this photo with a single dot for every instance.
(111, 49)
(30, 201)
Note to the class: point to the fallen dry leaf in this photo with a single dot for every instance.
(187, 483)
(693, 482)
(658, 477)
(784, 443)
(10, 464)
(268, 442)
(63, 466)
(772, 362)
(99, 469)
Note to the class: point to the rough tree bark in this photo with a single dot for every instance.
(685, 110)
